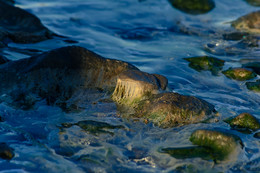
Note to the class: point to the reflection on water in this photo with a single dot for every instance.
(155, 37)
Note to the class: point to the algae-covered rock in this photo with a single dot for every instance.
(248, 23)
(189, 152)
(240, 74)
(132, 86)
(93, 127)
(257, 135)
(254, 86)
(221, 144)
(244, 121)
(3, 59)
(206, 63)
(253, 2)
(172, 109)
(20, 26)
(255, 66)
(6, 152)
(193, 6)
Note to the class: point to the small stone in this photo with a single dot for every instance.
(240, 74)
(255, 66)
(254, 86)
(244, 121)
(193, 6)
(6, 152)
(249, 23)
(220, 143)
(206, 63)
(257, 135)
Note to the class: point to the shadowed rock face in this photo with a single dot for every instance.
(248, 23)
(20, 26)
(6, 152)
(3, 59)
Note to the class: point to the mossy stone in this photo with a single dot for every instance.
(6, 152)
(253, 2)
(244, 121)
(193, 6)
(240, 74)
(257, 135)
(206, 63)
(221, 144)
(255, 66)
(254, 86)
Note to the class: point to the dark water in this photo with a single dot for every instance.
(147, 35)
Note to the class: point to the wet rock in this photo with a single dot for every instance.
(172, 109)
(20, 26)
(244, 122)
(254, 86)
(133, 86)
(220, 143)
(3, 59)
(240, 74)
(255, 66)
(206, 63)
(193, 6)
(93, 127)
(257, 135)
(253, 2)
(6, 152)
(235, 36)
(248, 23)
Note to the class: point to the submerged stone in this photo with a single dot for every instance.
(248, 23)
(255, 66)
(240, 74)
(220, 143)
(257, 135)
(3, 59)
(6, 152)
(253, 2)
(172, 109)
(20, 26)
(244, 122)
(193, 6)
(254, 86)
(94, 127)
(206, 63)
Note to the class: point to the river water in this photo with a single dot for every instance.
(147, 34)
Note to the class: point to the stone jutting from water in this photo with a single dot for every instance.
(253, 2)
(257, 135)
(193, 6)
(3, 59)
(6, 152)
(244, 121)
(255, 66)
(20, 26)
(206, 63)
(220, 143)
(240, 74)
(248, 23)
(254, 86)
(172, 109)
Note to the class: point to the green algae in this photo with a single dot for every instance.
(212, 64)
(254, 86)
(240, 74)
(193, 6)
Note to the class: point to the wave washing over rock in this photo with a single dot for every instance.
(178, 93)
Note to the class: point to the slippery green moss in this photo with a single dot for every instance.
(244, 121)
(94, 127)
(254, 86)
(193, 6)
(221, 144)
(189, 152)
(206, 63)
(240, 74)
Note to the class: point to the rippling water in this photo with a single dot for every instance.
(146, 34)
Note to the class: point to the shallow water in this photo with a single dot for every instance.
(145, 34)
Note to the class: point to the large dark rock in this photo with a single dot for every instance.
(20, 26)
(193, 6)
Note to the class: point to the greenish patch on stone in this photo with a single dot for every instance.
(221, 144)
(240, 74)
(255, 66)
(253, 86)
(6, 152)
(206, 63)
(193, 6)
(93, 127)
(244, 122)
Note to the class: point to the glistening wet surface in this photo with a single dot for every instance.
(155, 37)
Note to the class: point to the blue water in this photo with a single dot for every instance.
(147, 35)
